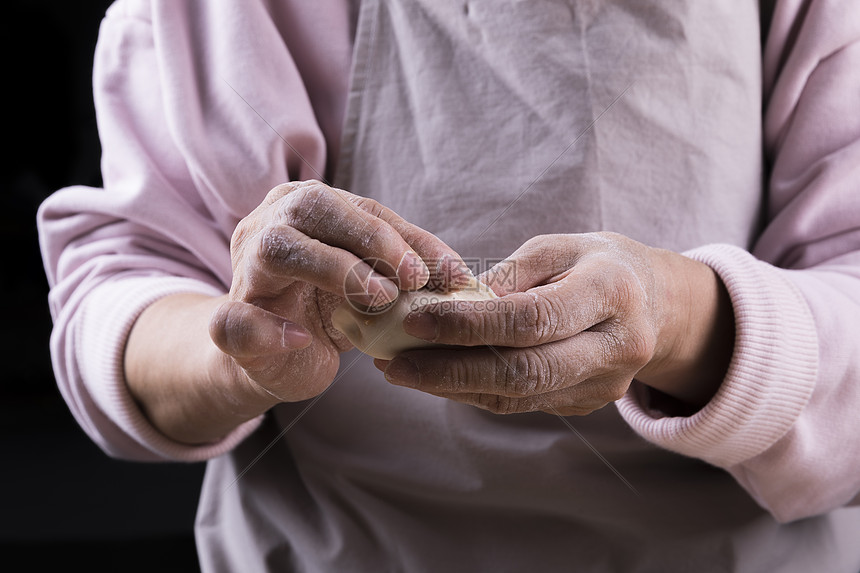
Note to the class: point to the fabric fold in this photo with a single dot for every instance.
(769, 381)
(101, 332)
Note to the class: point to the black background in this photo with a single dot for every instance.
(63, 502)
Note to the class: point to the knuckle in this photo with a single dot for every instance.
(535, 321)
(278, 249)
(457, 375)
(279, 191)
(461, 324)
(628, 346)
(626, 292)
(240, 235)
(375, 230)
(498, 404)
(528, 374)
(639, 348)
(610, 347)
(368, 205)
(308, 208)
(287, 188)
(615, 289)
(482, 326)
(599, 302)
(614, 292)
(513, 378)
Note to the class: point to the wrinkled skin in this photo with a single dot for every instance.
(294, 258)
(584, 316)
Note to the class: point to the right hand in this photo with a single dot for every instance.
(294, 259)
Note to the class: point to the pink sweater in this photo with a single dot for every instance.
(785, 422)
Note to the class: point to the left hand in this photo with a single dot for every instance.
(582, 316)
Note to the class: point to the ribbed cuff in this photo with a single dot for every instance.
(769, 381)
(106, 320)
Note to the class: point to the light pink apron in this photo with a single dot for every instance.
(489, 122)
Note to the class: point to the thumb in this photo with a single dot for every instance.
(539, 261)
(243, 330)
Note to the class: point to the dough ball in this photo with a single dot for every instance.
(381, 335)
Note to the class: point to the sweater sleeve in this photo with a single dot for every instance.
(201, 110)
(784, 422)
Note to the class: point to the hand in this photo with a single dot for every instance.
(294, 258)
(584, 315)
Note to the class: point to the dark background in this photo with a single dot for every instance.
(63, 502)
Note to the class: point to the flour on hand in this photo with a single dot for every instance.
(381, 334)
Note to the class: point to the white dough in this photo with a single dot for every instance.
(381, 335)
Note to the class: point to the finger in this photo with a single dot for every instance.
(575, 401)
(330, 216)
(589, 294)
(286, 254)
(509, 372)
(271, 350)
(535, 262)
(245, 331)
(381, 364)
(447, 269)
(284, 189)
